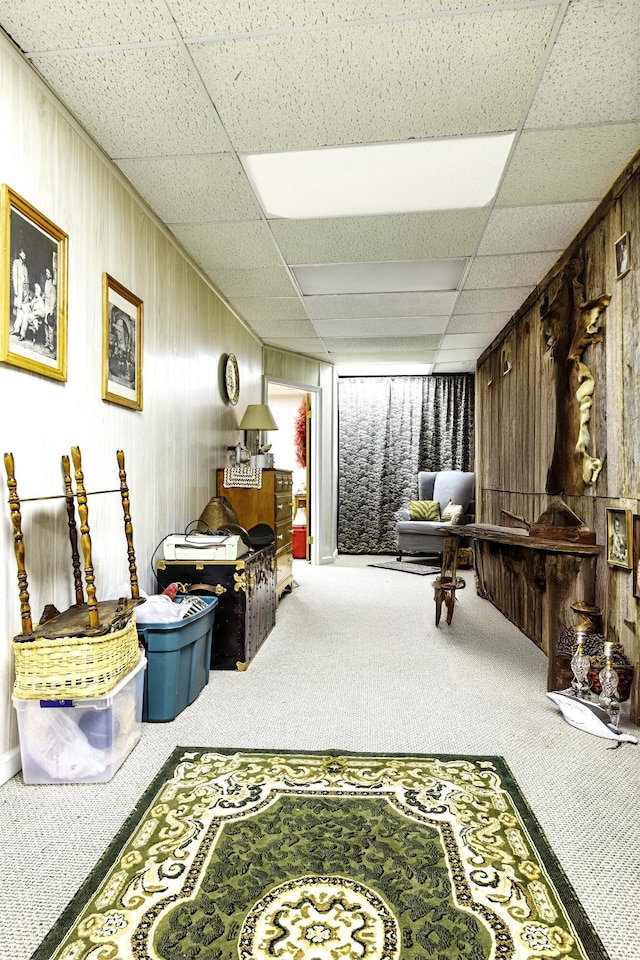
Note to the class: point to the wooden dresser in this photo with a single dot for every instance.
(272, 503)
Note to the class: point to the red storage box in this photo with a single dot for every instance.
(300, 543)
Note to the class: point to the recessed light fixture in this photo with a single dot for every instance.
(379, 178)
(379, 276)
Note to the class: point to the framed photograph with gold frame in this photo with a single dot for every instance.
(33, 331)
(121, 344)
(623, 264)
(619, 545)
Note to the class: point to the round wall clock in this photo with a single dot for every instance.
(232, 379)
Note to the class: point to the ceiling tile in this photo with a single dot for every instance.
(66, 24)
(197, 18)
(283, 329)
(265, 282)
(373, 353)
(465, 341)
(411, 236)
(380, 82)
(552, 166)
(256, 309)
(491, 301)
(392, 345)
(452, 356)
(478, 323)
(199, 188)
(229, 246)
(398, 326)
(460, 366)
(166, 115)
(380, 305)
(510, 271)
(307, 345)
(528, 229)
(597, 49)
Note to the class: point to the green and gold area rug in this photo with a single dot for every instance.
(250, 855)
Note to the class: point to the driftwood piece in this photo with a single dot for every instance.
(74, 622)
(18, 545)
(570, 325)
(83, 513)
(128, 526)
(73, 530)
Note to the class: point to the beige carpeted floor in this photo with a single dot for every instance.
(356, 663)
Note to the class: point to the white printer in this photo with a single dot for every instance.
(204, 546)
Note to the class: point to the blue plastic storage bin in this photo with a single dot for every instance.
(178, 662)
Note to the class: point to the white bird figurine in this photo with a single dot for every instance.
(588, 717)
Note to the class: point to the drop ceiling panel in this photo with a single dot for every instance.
(201, 188)
(380, 355)
(265, 282)
(598, 49)
(457, 355)
(505, 300)
(229, 246)
(421, 78)
(398, 326)
(380, 305)
(415, 346)
(465, 341)
(307, 345)
(478, 323)
(255, 310)
(554, 166)
(510, 271)
(530, 229)
(65, 24)
(284, 329)
(412, 236)
(135, 103)
(198, 18)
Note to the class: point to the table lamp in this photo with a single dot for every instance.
(257, 417)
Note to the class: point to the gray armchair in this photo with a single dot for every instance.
(423, 536)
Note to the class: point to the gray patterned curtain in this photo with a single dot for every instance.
(389, 428)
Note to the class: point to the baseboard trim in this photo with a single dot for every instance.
(10, 764)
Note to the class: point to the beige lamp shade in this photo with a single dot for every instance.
(258, 416)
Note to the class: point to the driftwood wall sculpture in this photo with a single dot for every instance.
(570, 325)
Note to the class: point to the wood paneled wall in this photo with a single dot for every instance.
(517, 407)
(175, 443)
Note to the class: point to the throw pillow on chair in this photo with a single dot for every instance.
(424, 510)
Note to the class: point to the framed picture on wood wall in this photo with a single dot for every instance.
(619, 538)
(636, 556)
(121, 344)
(622, 256)
(33, 330)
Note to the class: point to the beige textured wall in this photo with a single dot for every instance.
(174, 445)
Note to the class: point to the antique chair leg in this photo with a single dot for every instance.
(18, 545)
(83, 513)
(73, 530)
(128, 526)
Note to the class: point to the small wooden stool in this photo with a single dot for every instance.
(447, 583)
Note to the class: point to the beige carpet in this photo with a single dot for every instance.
(355, 663)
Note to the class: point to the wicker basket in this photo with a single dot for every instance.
(74, 667)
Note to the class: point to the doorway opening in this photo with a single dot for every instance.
(291, 447)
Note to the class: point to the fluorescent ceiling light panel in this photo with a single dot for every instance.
(456, 173)
(392, 276)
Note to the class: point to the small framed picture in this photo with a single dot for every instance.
(636, 556)
(622, 256)
(33, 330)
(121, 344)
(619, 538)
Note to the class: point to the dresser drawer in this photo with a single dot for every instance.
(284, 507)
(283, 481)
(284, 534)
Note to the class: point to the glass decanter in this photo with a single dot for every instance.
(609, 697)
(580, 664)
